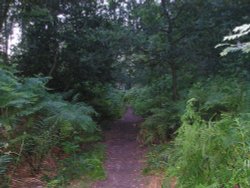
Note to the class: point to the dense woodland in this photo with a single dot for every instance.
(183, 65)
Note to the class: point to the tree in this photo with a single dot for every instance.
(173, 35)
(5, 27)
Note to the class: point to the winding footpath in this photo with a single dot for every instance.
(125, 156)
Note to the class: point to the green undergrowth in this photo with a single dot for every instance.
(80, 169)
(211, 153)
(106, 100)
(34, 121)
(210, 145)
(156, 159)
(154, 103)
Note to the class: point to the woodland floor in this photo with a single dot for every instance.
(125, 156)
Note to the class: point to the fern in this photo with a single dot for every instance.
(5, 159)
(154, 103)
(159, 126)
(211, 153)
(218, 95)
(60, 112)
(35, 120)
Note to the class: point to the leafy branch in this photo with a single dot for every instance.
(238, 33)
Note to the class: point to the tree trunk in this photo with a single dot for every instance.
(53, 68)
(169, 33)
(4, 33)
(175, 94)
(3, 12)
(6, 38)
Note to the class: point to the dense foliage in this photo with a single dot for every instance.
(34, 121)
(78, 63)
(212, 146)
(162, 115)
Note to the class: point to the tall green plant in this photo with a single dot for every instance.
(34, 120)
(211, 152)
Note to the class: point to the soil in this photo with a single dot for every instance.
(125, 156)
(22, 177)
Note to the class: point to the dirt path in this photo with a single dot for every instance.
(124, 155)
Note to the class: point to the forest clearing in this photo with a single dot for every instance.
(124, 94)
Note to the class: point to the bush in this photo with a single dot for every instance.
(160, 126)
(157, 159)
(106, 99)
(212, 146)
(154, 103)
(88, 165)
(34, 120)
(219, 95)
(5, 160)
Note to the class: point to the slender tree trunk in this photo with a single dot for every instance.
(4, 30)
(5, 5)
(169, 33)
(175, 94)
(6, 38)
(53, 68)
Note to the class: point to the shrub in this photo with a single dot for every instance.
(212, 146)
(5, 160)
(106, 99)
(34, 120)
(157, 159)
(88, 165)
(160, 126)
(154, 103)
